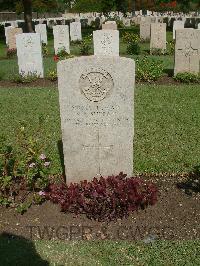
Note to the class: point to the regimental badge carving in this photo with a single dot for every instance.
(96, 84)
(28, 42)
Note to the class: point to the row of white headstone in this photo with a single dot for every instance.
(75, 33)
(29, 51)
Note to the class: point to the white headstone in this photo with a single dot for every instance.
(111, 22)
(29, 53)
(178, 24)
(11, 34)
(42, 30)
(106, 42)
(158, 36)
(6, 33)
(96, 107)
(61, 38)
(187, 51)
(75, 31)
(145, 30)
(109, 26)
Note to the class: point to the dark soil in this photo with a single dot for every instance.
(165, 80)
(175, 216)
(37, 83)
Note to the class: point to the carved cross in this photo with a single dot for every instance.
(98, 147)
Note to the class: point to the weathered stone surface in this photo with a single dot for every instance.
(178, 24)
(145, 30)
(42, 30)
(96, 107)
(109, 26)
(6, 33)
(187, 51)
(75, 31)
(111, 22)
(158, 36)
(61, 38)
(11, 33)
(29, 54)
(106, 42)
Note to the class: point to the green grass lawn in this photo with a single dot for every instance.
(167, 119)
(106, 253)
(10, 66)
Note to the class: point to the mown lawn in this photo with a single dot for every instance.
(106, 253)
(9, 67)
(167, 128)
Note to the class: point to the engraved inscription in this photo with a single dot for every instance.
(96, 84)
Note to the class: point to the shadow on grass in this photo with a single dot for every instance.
(16, 250)
(61, 154)
(192, 184)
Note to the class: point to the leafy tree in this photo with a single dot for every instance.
(27, 6)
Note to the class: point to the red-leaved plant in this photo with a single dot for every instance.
(104, 198)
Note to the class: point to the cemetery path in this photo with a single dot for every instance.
(176, 216)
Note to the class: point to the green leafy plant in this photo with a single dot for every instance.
(132, 41)
(25, 168)
(157, 51)
(148, 69)
(52, 75)
(120, 24)
(130, 38)
(8, 172)
(171, 47)
(22, 78)
(133, 48)
(77, 42)
(187, 77)
(45, 50)
(62, 54)
(85, 46)
(23, 207)
(36, 166)
(39, 198)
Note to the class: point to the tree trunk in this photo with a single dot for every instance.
(28, 15)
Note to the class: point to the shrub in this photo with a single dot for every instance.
(45, 50)
(22, 78)
(96, 24)
(11, 53)
(130, 38)
(52, 75)
(148, 69)
(133, 48)
(157, 51)
(62, 54)
(187, 77)
(77, 42)
(104, 199)
(120, 24)
(25, 168)
(85, 46)
(171, 47)
(132, 41)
